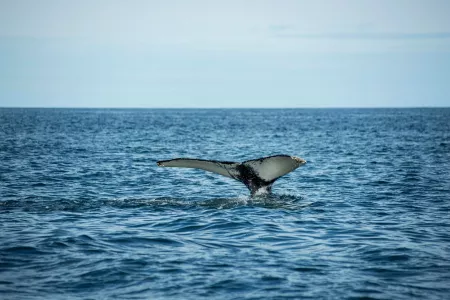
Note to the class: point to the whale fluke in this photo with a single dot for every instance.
(257, 174)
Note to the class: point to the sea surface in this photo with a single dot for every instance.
(85, 213)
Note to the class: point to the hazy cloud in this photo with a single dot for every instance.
(361, 35)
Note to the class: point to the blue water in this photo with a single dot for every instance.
(85, 213)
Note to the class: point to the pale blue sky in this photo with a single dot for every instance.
(224, 53)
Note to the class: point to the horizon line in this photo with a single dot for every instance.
(137, 107)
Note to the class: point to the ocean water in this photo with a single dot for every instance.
(85, 213)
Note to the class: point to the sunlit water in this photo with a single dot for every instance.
(85, 213)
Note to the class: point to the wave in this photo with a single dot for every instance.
(272, 201)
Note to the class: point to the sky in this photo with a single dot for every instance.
(220, 54)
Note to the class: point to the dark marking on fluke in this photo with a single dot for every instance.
(258, 175)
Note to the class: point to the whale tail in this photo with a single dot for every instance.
(258, 175)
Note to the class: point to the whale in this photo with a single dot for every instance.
(258, 175)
